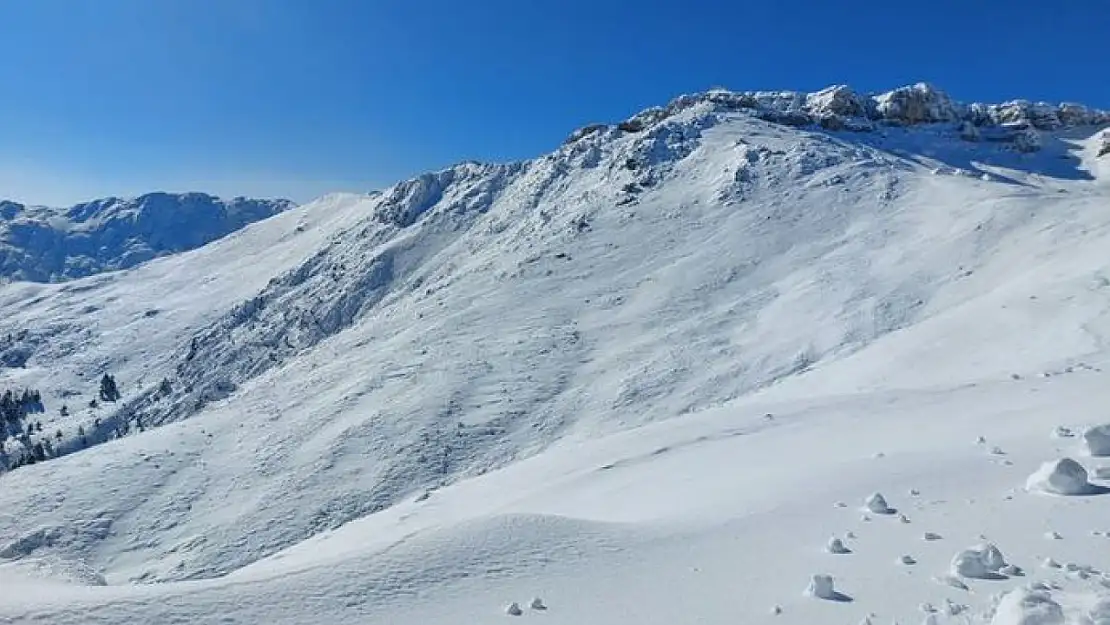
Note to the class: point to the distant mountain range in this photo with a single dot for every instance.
(42, 244)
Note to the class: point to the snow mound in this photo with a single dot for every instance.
(1024, 606)
(979, 562)
(513, 609)
(537, 604)
(1096, 440)
(1060, 477)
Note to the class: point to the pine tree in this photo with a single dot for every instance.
(64, 411)
(108, 389)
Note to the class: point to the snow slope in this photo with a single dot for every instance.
(633, 377)
(52, 245)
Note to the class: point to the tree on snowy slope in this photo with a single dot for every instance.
(108, 389)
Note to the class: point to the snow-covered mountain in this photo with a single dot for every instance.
(633, 375)
(42, 244)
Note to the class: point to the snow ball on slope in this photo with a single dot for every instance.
(1097, 440)
(980, 562)
(1060, 477)
(538, 604)
(876, 503)
(513, 609)
(836, 545)
(821, 586)
(1023, 606)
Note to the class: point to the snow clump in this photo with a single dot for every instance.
(836, 545)
(821, 586)
(1097, 440)
(1060, 477)
(876, 503)
(980, 562)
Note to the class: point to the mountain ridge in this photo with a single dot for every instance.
(45, 244)
(349, 355)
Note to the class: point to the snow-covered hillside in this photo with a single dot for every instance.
(43, 244)
(633, 376)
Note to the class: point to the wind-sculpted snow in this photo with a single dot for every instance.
(52, 245)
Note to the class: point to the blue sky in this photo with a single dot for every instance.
(299, 97)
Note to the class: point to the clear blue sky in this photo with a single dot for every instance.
(298, 97)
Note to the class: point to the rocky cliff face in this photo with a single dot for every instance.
(42, 244)
(1018, 122)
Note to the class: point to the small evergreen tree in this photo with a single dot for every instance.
(108, 389)
(65, 410)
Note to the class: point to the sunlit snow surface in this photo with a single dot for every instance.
(637, 390)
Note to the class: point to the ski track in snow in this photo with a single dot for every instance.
(507, 382)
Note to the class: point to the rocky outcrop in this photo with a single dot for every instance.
(839, 108)
(916, 104)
